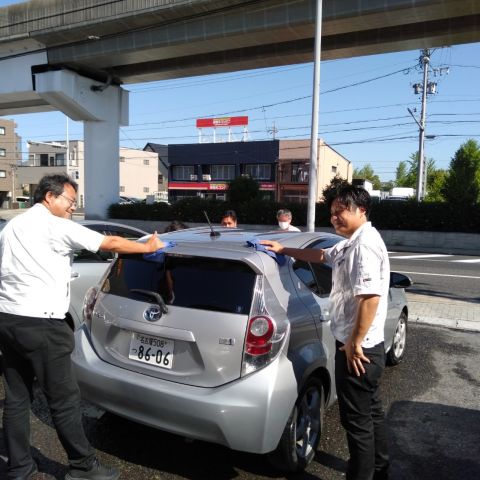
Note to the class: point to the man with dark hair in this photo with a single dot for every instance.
(229, 219)
(175, 225)
(36, 252)
(360, 282)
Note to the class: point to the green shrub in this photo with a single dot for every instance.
(385, 215)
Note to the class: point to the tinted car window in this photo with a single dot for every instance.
(192, 282)
(317, 277)
(325, 242)
(87, 256)
(305, 274)
(323, 274)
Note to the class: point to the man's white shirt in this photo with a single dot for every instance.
(36, 254)
(360, 267)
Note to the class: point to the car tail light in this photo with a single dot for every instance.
(259, 335)
(265, 335)
(88, 305)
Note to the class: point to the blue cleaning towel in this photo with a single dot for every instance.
(279, 258)
(159, 255)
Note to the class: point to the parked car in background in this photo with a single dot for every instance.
(128, 200)
(88, 268)
(217, 341)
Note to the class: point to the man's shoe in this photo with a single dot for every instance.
(33, 470)
(97, 472)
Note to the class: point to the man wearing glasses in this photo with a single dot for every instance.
(36, 252)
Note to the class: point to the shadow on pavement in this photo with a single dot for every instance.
(434, 442)
(416, 289)
(45, 464)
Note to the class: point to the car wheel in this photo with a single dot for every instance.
(399, 343)
(303, 430)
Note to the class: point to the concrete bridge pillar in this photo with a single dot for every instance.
(103, 109)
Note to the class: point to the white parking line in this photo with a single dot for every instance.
(430, 255)
(471, 260)
(437, 274)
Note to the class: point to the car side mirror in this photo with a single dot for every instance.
(399, 280)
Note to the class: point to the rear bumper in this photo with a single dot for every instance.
(248, 414)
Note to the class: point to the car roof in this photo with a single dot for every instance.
(236, 238)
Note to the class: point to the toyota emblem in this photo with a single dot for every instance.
(152, 313)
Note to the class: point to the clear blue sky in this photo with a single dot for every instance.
(365, 122)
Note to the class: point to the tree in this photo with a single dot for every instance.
(242, 189)
(436, 181)
(401, 175)
(330, 190)
(367, 173)
(406, 176)
(462, 184)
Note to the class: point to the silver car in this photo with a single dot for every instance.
(218, 341)
(88, 268)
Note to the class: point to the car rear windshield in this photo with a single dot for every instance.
(184, 281)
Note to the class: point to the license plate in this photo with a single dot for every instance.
(152, 350)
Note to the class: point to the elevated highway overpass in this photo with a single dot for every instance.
(75, 55)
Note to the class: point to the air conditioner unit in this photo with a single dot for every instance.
(193, 177)
(206, 177)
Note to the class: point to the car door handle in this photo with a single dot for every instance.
(325, 315)
(74, 275)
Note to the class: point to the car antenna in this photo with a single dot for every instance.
(213, 233)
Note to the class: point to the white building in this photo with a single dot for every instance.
(138, 169)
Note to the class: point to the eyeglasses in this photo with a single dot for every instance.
(73, 203)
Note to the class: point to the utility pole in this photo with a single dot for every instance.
(13, 170)
(425, 88)
(273, 131)
(421, 173)
(312, 181)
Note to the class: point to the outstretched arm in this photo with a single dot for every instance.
(113, 243)
(305, 254)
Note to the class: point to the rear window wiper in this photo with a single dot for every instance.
(155, 295)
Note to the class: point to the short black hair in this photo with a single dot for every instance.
(349, 196)
(174, 226)
(230, 213)
(53, 183)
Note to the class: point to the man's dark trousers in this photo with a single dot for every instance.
(41, 348)
(362, 415)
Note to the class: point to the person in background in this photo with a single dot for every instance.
(36, 253)
(229, 219)
(359, 296)
(174, 226)
(284, 218)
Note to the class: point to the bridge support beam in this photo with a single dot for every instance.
(103, 109)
